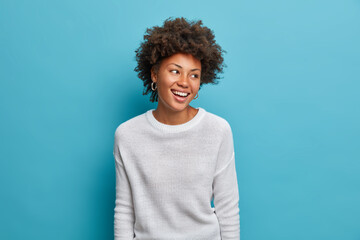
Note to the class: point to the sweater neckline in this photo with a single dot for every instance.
(175, 128)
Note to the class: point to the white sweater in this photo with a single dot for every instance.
(167, 175)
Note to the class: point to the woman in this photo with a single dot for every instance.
(173, 161)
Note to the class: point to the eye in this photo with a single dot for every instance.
(174, 71)
(195, 75)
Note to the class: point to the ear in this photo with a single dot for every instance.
(153, 74)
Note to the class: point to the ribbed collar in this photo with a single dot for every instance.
(175, 128)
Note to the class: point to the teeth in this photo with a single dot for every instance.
(180, 93)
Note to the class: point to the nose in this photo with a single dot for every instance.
(183, 81)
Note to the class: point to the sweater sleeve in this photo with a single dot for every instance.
(225, 189)
(124, 217)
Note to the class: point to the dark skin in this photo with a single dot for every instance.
(180, 72)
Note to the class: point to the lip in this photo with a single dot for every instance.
(179, 90)
(180, 99)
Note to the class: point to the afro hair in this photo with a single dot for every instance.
(179, 35)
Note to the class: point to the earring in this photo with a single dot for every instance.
(197, 95)
(152, 86)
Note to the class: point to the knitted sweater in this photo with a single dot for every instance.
(167, 175)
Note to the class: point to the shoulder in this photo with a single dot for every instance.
(130, 125)
(217, 122)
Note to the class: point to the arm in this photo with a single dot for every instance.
(124, 217)
(225, 188)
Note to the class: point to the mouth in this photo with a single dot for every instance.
(180, 96)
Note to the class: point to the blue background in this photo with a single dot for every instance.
(290, 92)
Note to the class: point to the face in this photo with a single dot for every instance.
(177, 80)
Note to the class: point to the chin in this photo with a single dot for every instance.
(177, 107)
(174, 105)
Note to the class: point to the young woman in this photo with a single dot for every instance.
(173, 161)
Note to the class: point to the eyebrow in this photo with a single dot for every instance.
(181, 67)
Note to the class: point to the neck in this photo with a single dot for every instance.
(171, 117)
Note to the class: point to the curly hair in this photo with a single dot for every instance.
(179, 35)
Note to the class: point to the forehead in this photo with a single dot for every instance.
(184, 60)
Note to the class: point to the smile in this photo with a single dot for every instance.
(180, 96)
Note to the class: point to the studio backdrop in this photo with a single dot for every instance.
(290, 92)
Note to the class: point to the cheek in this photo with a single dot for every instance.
(163, 82)
(196, 85)
(167, 80)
